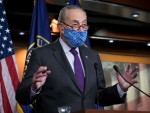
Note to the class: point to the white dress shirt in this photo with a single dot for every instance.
(69, 55)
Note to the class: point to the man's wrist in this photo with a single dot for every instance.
(120, 91)
(33, 93)
(123, 89)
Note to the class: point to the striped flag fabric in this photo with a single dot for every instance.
(9, 78)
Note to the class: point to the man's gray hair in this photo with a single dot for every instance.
(61, 17)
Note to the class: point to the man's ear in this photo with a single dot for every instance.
(61, 27)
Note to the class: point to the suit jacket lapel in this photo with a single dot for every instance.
(62, 59)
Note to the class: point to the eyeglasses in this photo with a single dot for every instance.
(76, 27)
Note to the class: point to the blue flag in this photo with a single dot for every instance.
(87, 42)
(40, 28)
(40, 34)
(76, 2)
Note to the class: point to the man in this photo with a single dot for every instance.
(52, 75)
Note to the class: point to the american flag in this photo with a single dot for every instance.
(9, 79)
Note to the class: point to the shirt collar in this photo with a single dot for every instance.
(65, 47)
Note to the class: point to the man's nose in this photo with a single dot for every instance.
(80, 28)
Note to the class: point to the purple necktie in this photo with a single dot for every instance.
(78, 69)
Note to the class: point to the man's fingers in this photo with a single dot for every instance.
(43, 74)
(40, 79)
(135, 70)
(135, 75)
(48, 72)
(37, 80)
(128, 68)
(134, 81)
(41, 69)
(40, 76)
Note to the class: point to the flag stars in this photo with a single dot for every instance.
(3, 45)
(5, 38)
(6, 45)
(10, 42)
(9, 49)
(2, 19)
(4, 12)
(1, 52)
(7, 30)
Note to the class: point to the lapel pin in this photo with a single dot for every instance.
(86, 57)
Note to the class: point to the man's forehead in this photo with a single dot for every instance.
(76, 15)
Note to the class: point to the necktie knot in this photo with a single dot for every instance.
(74, 52)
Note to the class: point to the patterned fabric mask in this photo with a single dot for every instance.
(74, 38)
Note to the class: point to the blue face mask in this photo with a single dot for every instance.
(74, 38)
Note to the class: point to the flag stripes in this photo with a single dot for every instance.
(12, 71)
(9, 84)
(1, 108)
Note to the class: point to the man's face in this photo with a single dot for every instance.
(75, 17)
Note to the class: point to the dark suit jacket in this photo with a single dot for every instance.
(61, 88)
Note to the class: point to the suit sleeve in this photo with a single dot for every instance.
(24, 89)
(107, 96)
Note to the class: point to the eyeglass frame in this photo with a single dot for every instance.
(78, 26)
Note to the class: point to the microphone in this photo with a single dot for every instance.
(96, 69)
(117, 70)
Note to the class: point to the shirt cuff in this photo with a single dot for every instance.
(33, 93)
(120, 91)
